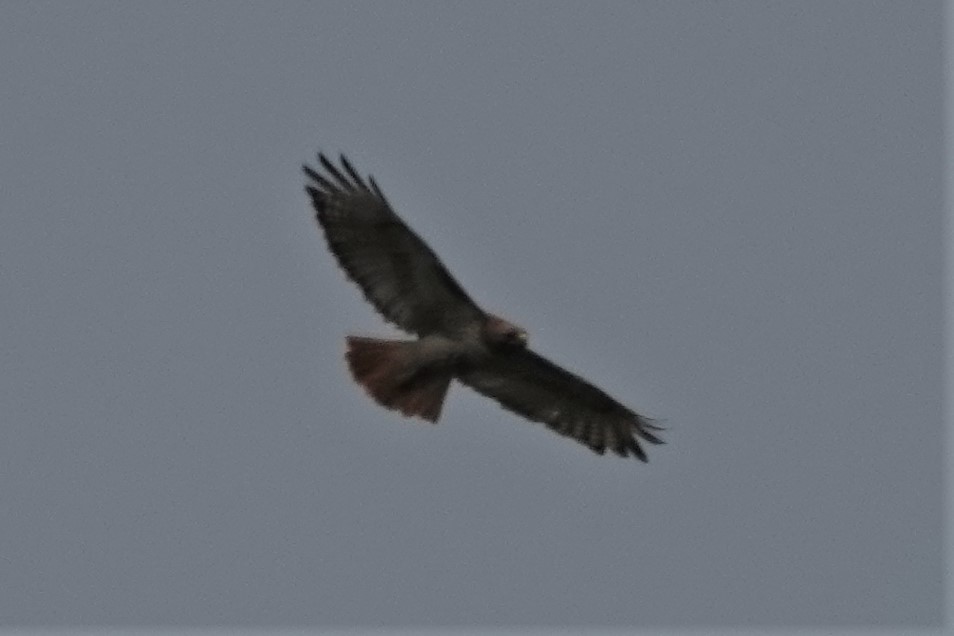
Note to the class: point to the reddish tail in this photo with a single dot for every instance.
(386, 370)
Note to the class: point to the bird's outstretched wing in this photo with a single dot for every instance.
(532, 386)
(398, 273)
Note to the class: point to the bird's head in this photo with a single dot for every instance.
(498, 332)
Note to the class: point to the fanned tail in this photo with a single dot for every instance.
(386, 370)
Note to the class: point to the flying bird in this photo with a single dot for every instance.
(456, 340)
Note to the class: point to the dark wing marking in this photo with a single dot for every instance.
(532, 386)
(398, 273)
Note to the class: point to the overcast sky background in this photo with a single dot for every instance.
(726, 214)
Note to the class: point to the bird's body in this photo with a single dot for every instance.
(403, 278)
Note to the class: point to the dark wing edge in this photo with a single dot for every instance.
(395, 269)
(535, 388)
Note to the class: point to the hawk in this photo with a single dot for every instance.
(456, 340)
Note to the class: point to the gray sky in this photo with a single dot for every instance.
(726, 214)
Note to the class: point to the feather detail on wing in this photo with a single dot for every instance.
(397, 272)
(537, 389)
